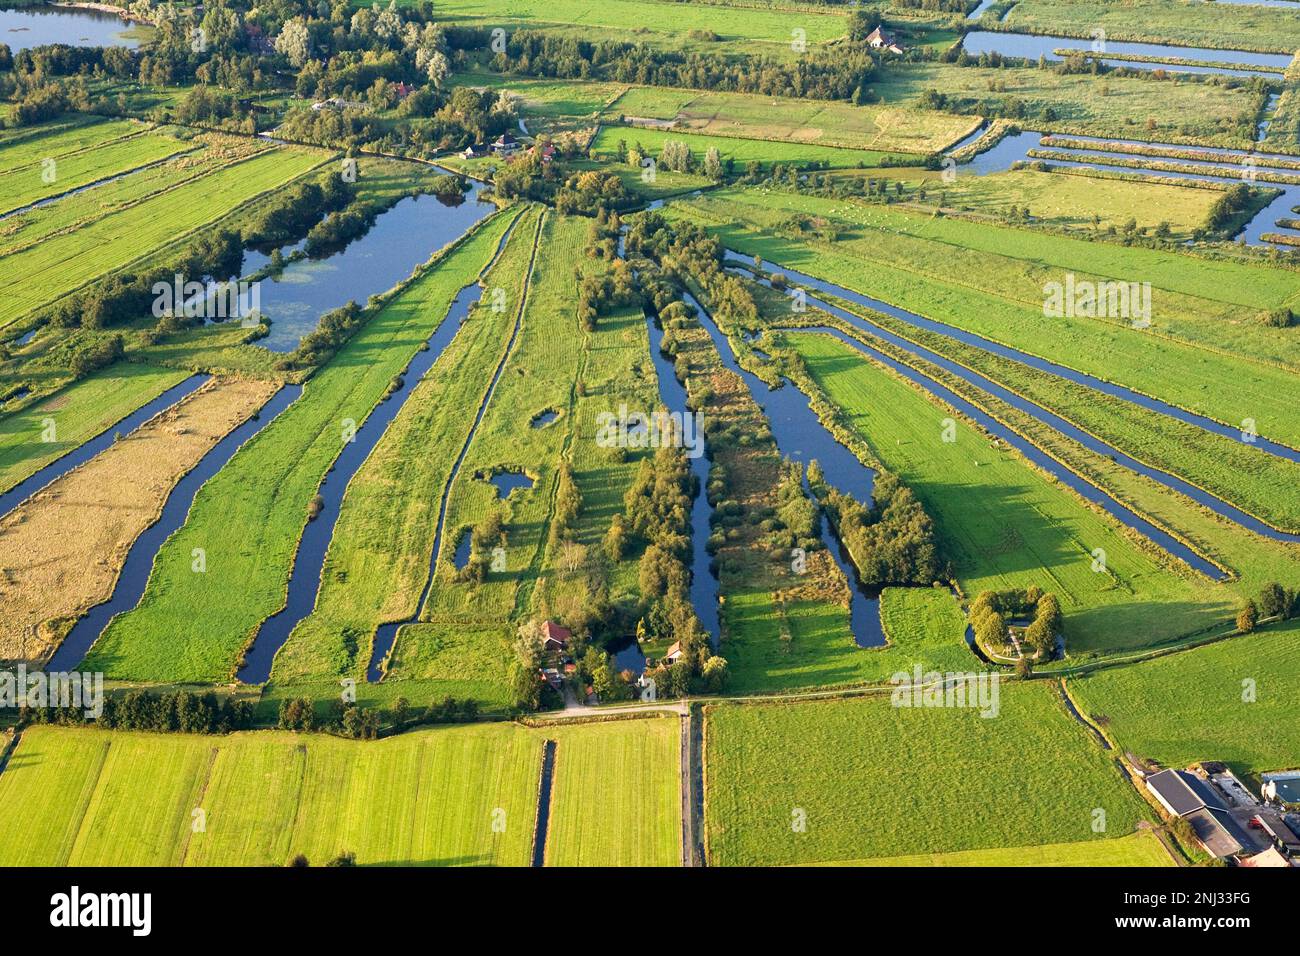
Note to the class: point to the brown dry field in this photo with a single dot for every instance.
(62, 550)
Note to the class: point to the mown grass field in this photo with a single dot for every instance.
(616, 797)
(85, 798)
(1003, 524)
(41, 273)
(21, 230)
(924, 626)
(79, 412)
(742, 151)
(380, 552)
(1072, 201)
(1206, 350)
(444, 796)
(873, 780)
(1136, 849)
(1190, 706)
(247, 520)
(809, 122)
(28, 147)
(31, 183)
(653, 22)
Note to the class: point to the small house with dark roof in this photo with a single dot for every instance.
(555, 639)
(475, 151)
(505, 145)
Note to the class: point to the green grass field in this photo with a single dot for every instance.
(26, 148)
(1072, 201)
(34, 182)
(650, 21)
(742, 151)
(446, 796)
(1177, 111)
(87, 798)
(21, 230)
(616, 799)
(548, 99)
(248, 519)
(990, 279)
(1002, 524)
(379, 555)
(40, 273)
(540, 373)
(1190, 706)
(871, 780)
(1221, 25)
(1136, 849)
(795, 121)
(1266, 486)
(79, 412)
(616, 370)
(923, 625)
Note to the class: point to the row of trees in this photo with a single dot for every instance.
(828, 72)
(169, 712)
(350, 720)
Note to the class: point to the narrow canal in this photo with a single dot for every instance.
(800, 436)
(139, 560)
(89, 449)
(386, 634)
(1007, 352)
(704, 583)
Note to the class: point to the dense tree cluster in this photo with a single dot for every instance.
(893, 540)
(348, 719)
(832, 72)
(485, 537)
(168, 712)
(126, 296)
(601, 294)
(656, 515)
(335, 328)
(292, 212)
(1273, 602)
(990, 611)
(589, 192)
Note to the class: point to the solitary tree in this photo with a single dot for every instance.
(1247, 618)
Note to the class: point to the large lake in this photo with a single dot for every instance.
(41, 26)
